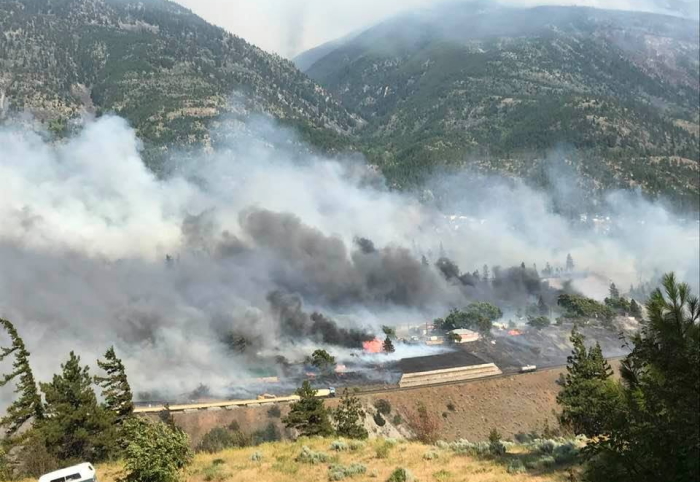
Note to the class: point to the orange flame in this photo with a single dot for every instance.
(515, 332)
(373, 346)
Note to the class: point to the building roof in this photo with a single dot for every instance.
(463, 332)
(453, 359)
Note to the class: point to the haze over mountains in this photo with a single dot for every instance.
(498, 87)
(462, 84)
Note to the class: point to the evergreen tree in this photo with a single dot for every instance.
(75, 427)
(655, 435)
(28, 405)
(614, 292)
(388, 346)
(589, 393)
(349, 417)
(309, 415)
(569, 262)
(635, 310)
(115, 386)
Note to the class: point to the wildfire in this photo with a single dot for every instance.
(373, 346)
(515, 332)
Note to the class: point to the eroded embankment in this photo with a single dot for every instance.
(512, 404)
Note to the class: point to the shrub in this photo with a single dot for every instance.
(383, 406)
(545, 446)
(274, 412)
(379, 420)
(218, 462)
(516, 467)
(154, 452)
(340, 472)
(391, 441)
(269, 434)
(397, 419)
(400, 475)
(566, 453)
(383, 451)
(216, 440)
(494, 435)
(308, 456)
(497, 448)
(356, 445)
(451, 407)
(213, 472)
(256, 456)
(546, 461)
(425, 425)
(339, 446)
(432, 455)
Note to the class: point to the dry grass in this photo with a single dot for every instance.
(278, 465)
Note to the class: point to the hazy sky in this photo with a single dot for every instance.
(289, 27)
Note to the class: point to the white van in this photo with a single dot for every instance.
(78, 473)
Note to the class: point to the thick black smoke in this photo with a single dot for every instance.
(296, 324)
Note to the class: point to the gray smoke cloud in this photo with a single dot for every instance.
(264, 249)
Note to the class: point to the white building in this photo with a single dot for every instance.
(466, 336)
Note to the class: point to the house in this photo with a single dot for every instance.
(465, 336)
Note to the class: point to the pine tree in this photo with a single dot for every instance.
(589, 393)
(28, 405)
(569, 262)
(349, 417)
(75, 427)
(115, 386)
(388, 346)
(614, 292)
(309, 416)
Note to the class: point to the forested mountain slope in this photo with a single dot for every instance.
(495, 87)
(163, 68)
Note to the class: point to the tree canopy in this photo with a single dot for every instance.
(76, 427)
(309, 416)
(645, 428)
(477, 316)
(115, 386)
(349, 417)
(29, 405)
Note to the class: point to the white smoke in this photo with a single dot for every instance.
(87, 227)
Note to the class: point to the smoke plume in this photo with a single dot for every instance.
(264, 249)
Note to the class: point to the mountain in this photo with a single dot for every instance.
(166, 70)
(615, 93)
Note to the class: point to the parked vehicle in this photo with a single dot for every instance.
(528, 368)
(84, 472)
(331, 392)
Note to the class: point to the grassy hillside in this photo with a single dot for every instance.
(499, 88)
(278, 464)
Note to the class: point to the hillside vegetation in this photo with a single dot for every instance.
(500, 88)
(170, 73)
